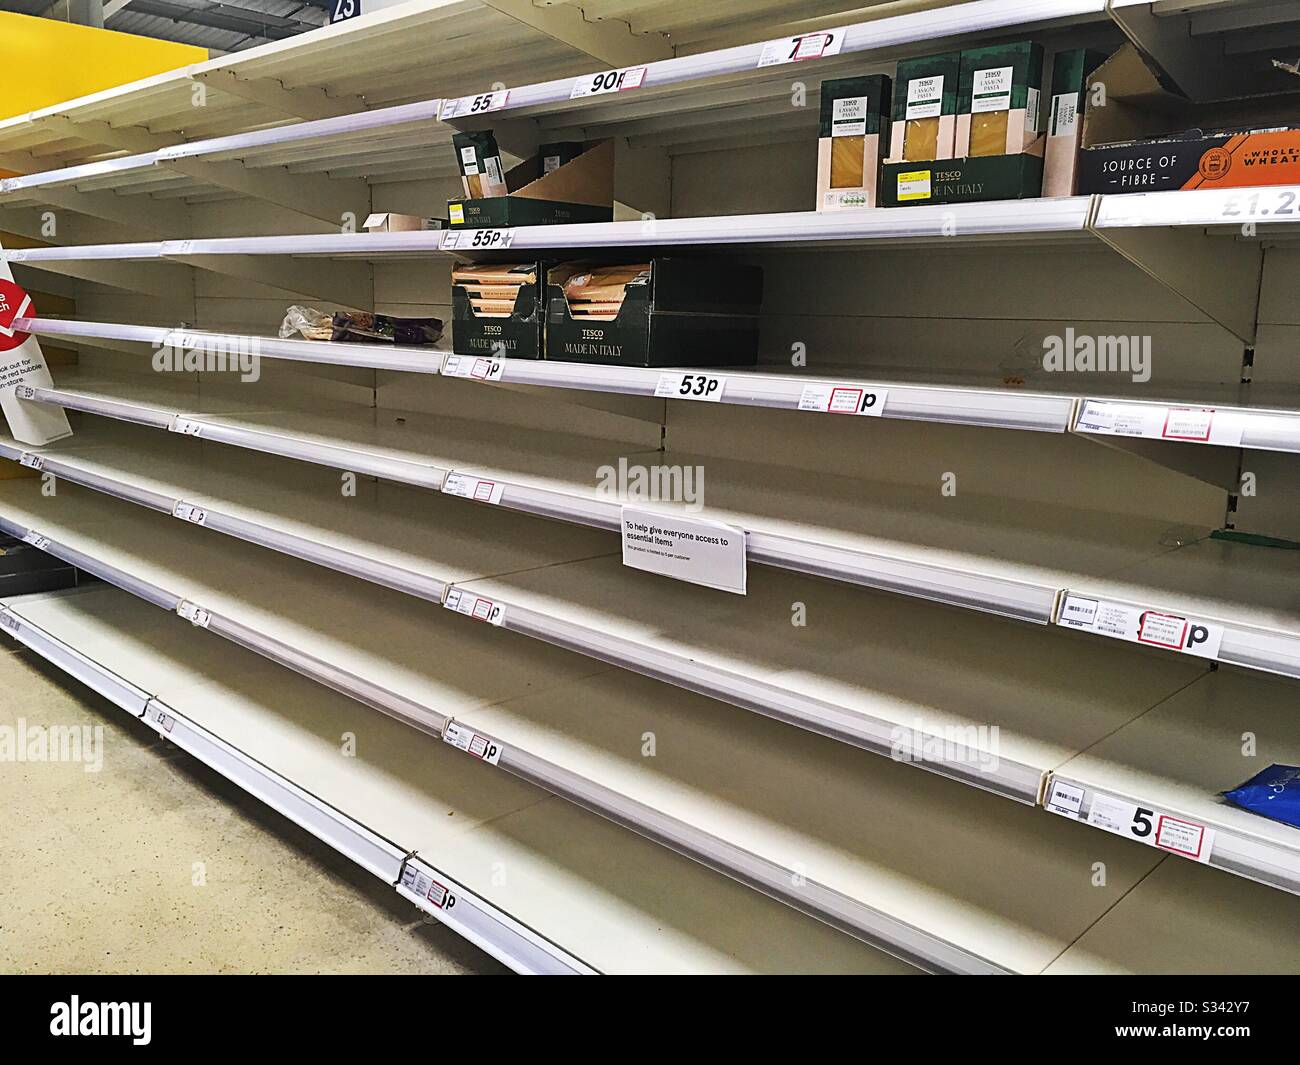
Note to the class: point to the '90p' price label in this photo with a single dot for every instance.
(607, 81)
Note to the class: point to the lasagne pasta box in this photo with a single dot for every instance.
(1148, 138)
(676, 312)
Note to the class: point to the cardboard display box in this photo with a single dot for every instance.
(1147, 138)
(668, 312)
(580, 190)
(971, 180)
(496, 309)
(389, 222)
(1070, 78)
(854, 129)
(925, 108)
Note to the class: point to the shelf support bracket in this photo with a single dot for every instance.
(312, 195)
(608, 40)
(134, 139)
(296, 103)
(349, 284)
(140, 213)
(132, 277)
(1218, 276)
(1215, 466)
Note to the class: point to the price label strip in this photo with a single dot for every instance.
(474, 606)
(189, 512)
(1281, 203)
(475, 488)
(1192, 425)
(707, 388)
(844, 399)
(423, 886)
(474, 368)
(805, 46)
(31, 460)
(193, 613)
(31, 536)
(184, 426)
(9, 621)
(1146, 824)
(607, 81)
(477, 239)
(471, 742)
(473, 105)
(1134, 624)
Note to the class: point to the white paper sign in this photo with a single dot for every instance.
(706, 387)
(844, 399)
(474, 368)
(36, 540)
(1149, 825)
(1192, 425)
(607, 81)
(814, 45)
(685, 548)
(23, 363)
(1154, 628)
(471, 742)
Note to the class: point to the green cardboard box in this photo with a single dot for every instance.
(971, 180)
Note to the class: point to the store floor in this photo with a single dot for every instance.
(154, 863)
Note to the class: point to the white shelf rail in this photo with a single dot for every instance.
(489, 928)
(1195, 838)
(915, 945)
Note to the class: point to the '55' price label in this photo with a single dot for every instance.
(473, 105)
(699, 386)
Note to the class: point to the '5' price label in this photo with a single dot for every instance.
(699, 386)
(607, 81)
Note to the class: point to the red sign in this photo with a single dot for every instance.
(14, 303)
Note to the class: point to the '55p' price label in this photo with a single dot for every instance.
(478, 239)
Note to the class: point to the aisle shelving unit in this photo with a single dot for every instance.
(353, 518)
(916, 546)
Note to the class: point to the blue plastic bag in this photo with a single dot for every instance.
(1274, 793)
